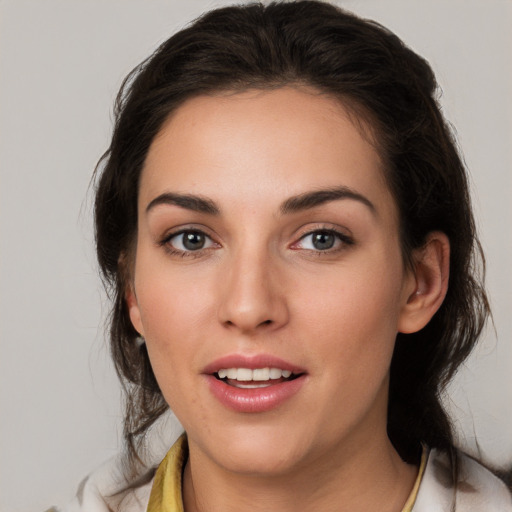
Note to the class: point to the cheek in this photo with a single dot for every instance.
(175, 308)
(169, 319)
(172, 346)
(170, 299)
(156, 309)
(354, 316)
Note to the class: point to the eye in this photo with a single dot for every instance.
(189, 240)
(323, 240)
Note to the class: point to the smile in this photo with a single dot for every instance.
(253, 384)
(247, 378)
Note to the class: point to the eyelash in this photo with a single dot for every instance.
(173, 251)
(342, 239)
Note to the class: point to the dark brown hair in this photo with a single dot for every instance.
(389, 87)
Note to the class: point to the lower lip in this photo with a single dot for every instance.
(254, 400)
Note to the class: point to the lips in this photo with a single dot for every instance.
(255, 383)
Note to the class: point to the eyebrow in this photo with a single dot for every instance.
(188, 201)
(301, 202)
(310, 200)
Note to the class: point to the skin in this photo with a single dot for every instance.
(260, 286)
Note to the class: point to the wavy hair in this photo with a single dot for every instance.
(386, 85)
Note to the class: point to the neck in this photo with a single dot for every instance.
(371, 477)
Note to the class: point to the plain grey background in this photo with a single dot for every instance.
(61, 63)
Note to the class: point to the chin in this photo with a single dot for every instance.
(260, 461)
(259, 451)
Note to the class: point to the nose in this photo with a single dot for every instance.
(253, 297)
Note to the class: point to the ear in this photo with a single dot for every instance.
(427, 284)
(125, 266)
(133, 309)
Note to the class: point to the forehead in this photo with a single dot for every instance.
(257, 143)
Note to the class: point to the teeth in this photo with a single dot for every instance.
(244, 374)
(258, 374)
(275, 373)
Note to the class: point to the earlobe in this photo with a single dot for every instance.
(133, 309)
(430, 283)
(125, 265)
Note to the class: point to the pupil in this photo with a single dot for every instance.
(323, 240)
(193, 241)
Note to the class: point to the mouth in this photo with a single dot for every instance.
(254, 384)
(247, 378)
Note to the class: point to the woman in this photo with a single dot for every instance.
(285, 226)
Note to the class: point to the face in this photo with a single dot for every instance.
(268, 279)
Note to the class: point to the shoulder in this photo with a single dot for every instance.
(107, 490)
(477, 489)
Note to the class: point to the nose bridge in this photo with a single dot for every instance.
(252, 296)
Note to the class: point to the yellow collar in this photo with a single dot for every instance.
(414, 493)
(166, 491)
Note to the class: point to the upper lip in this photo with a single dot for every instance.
(251, 362)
